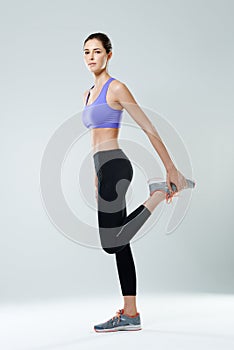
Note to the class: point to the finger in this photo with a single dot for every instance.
(169, 186)
(174, 187)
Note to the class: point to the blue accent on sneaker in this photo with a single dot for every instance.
(120, 322)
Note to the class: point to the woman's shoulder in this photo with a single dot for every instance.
(122, 92)
(117, 85)
(85, 95)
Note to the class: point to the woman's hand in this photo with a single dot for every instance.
(175, 176)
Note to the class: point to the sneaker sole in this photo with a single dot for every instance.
(120, 328)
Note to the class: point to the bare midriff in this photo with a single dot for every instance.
(104, 139)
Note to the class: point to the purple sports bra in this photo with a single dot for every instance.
(99, 114)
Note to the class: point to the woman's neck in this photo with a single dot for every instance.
(99, 80)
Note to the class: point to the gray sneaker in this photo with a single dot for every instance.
(120, 322)
(157, 184)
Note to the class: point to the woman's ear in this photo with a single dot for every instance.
(109, 55)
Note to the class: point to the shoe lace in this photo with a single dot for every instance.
(118, 315)
(170, 196)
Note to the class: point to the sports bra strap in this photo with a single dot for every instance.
(102, 95)
(87, 98)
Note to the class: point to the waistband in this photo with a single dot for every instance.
(108, 151)
(101, 157)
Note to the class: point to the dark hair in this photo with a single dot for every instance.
(103, 38)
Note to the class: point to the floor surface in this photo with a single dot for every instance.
(174, 321)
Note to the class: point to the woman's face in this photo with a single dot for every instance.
(96, 54)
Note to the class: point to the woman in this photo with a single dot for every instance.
(103, 107)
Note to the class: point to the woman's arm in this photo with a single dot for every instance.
(95, 175)
(96, 186)
(125, 98)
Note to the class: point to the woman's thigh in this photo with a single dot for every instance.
(114, 178)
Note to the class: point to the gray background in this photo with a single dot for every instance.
(176, 57)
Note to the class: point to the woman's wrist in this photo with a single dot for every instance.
(170, 167)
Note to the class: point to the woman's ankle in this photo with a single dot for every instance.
(130, 312)
(154, 200)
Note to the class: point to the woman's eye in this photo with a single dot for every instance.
(95, 52)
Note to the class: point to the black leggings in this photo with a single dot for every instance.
(115, 172)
